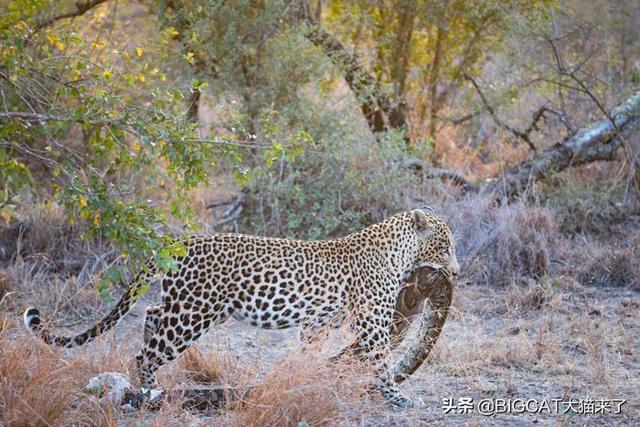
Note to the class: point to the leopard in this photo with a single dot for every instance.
(277, 283)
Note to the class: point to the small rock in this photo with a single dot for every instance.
(113, 383)
(155, 393)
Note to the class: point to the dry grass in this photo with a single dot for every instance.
(201, 369)
(42, 385)
(304, 389)
(38, 386)
(30, 390)
(607, 264)
(562, 341)
(498, 245)
(53, 269)
(553, 333)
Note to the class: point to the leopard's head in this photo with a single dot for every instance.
(436, 246)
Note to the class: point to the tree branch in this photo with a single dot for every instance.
(81, 9)
(439, 173)
(43, 118)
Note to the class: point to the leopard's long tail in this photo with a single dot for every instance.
(34, 323)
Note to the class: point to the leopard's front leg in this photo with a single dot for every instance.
(373, 327)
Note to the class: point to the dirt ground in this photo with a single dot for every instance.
(552, 346)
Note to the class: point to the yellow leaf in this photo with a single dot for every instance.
(21, 25)
(190, 58)
(99, 44)
(139, 51)
(96, 220)
(171, 32)
(163, 77)
(82, 202)
(106, 74)
(141, 77)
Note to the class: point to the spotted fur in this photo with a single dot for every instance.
(278, 283)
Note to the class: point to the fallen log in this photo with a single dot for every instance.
(456, 178)
(200, 399)
(597, 141)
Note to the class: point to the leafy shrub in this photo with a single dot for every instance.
(340, 187)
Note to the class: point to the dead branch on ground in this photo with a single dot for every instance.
(597, 141)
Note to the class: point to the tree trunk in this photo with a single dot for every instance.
(380, 113)
(434, 78)
(404, 33)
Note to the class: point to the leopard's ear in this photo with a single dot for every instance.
(421, 223)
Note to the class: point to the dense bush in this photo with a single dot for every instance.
(334, 189)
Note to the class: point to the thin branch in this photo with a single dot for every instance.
(524, 136)
(81, 9)
(234, 210)
(42, 118)
(439, 173)
(562, 70)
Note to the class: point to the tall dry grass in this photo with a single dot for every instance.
(498, 245)
(305, 389)
(43, 385)
(39, 386)
(607, 264)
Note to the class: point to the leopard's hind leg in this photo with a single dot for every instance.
(178, 328)
(152, 319)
